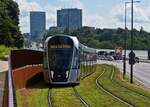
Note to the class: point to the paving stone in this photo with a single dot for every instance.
(2, 83)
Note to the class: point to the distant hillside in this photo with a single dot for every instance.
(109, 38)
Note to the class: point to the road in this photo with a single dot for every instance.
(141, 71)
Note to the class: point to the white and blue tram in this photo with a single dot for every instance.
(66, 60)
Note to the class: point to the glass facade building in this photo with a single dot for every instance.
(69, 18)
(37, 24)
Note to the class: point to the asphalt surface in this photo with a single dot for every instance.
(141, 71)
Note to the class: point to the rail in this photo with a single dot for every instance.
(80, 98)
(113, 80)
(50, 104)
(109, 93)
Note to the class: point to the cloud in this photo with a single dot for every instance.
(24, 23)
(141, 15)
(113, 19)
(72, 3)
(26, 6)
(97, 21)
(51, 11)
(51, 15)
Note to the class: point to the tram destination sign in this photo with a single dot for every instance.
(59, 46)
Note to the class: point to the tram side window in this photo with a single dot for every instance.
(75, 62)
(79, 59)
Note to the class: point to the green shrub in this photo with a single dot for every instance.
(4, 51)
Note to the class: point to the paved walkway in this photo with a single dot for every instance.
(2, 82)
(3, 66)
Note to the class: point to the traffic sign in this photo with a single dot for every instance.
(132, 58)
(131, 54)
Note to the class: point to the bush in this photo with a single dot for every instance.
(4, 51)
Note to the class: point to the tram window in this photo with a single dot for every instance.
(75, 62)
(79, 62)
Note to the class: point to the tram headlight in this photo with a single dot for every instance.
(52, 74)
(67, 74)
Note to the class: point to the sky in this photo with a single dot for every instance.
(96, 13)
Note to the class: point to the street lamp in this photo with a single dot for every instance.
(132, 55)
(125, 38)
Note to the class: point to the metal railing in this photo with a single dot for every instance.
(11, 92)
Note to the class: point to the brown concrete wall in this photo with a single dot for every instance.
(20, 58)
(23, 65)
(22, 75)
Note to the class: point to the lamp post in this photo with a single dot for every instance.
(131, 78)
(125, 38)
(132, 33)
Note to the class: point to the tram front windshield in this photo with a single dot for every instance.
(60, 53)
(60, 58)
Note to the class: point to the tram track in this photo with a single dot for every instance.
(84, 103)
(100, 86)
(114, 81)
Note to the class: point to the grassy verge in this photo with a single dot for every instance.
(64, 97)
(135, 87)
(93, 95)
(32, 97)
(87, 70)
(128, 95)
(4, 51)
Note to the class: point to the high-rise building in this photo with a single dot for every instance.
(69, 18)
(37, 24)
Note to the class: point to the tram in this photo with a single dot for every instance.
(67, 60)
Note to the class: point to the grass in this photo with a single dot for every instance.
(126, 94)
(86, 70)
(65, 97)
(62, 97)
(135, 87)
(4, 51)
(93, 95)
(32, 97)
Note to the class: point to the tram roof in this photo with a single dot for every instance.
(76, 43)
(73, 38)
(87, 49)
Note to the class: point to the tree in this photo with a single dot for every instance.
(10, 34)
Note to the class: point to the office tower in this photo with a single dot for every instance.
(37, 24)
(69, 18)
